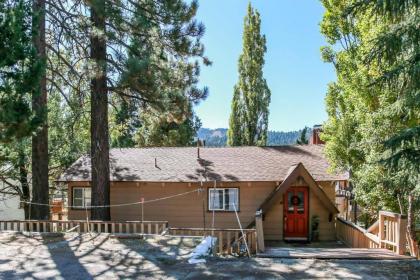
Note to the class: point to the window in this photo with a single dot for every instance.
(223, 199)
(81, 197)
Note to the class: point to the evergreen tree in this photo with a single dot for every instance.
(303, 140)
(162, 130)
(99, 132)
(40, 178)
(147, 56)
(249, 117)
(20, 71)
(169, 82)
(150, 60)
(124, 122)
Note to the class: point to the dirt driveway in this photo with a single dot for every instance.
(100, 257)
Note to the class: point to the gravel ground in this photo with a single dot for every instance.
(98, 256)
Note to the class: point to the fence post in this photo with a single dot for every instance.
(401, 239)
(381, 229)
(260, 231)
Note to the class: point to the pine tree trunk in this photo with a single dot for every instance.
(23, 180)
(99, 117)
(40, 188)
(411, 227)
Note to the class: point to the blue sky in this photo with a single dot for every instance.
(294, 70)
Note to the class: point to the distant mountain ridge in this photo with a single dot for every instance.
(218, 137)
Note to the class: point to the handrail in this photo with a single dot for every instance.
(388, 232)
(391, 214)
(355, 236)
(351, 224)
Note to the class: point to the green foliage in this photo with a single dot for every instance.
(374, 106)
(68, 133)
(248, 123)
(236, 121)
(153, 62)
(124, 123)
(159, 130)
(20, 71)
(157, 76)
(303, 140)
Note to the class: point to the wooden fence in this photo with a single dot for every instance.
(355, 236)
(229, 241)
(145, 227)
(389, 232)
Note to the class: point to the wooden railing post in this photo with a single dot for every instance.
(381, 229)
(401, 239)
(260, 231)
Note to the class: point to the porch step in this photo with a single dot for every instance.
(332, 253)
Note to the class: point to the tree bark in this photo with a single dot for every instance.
(99, 116)
(23, 180)
(411, 227)
(40, 187)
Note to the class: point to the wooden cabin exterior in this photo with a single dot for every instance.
(290, 184)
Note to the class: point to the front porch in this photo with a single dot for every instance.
(384, 240)
(325, 250)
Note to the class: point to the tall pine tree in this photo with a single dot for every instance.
(164, 78)
(99, 151)
(40, 180)
(125, 66)
(21, 77)
(248, 122)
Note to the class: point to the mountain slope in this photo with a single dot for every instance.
(218, 137)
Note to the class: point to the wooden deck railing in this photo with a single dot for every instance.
(229, 241)
(388, 232)
(392, 231)
(145, 227)
(355, 236)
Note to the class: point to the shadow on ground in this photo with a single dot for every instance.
(98, 256)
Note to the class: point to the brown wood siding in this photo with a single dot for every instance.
(182, 211)
(187, 211)
(329, 189)
(273, 222)
(76, 214)
(326, 228)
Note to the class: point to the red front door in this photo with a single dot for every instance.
(296, 213)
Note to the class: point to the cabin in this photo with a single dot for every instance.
(203, 187)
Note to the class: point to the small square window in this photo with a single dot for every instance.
(81, 197)
(223, 199)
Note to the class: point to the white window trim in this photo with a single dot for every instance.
(83, 197)
(224, 197)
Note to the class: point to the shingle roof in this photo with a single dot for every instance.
(221, 164)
